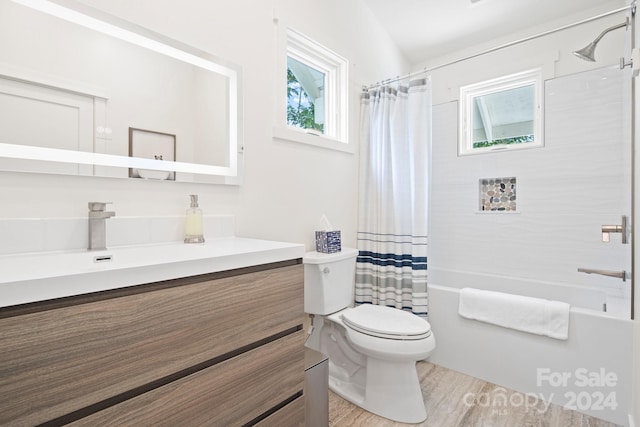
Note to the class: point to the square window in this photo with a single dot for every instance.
(501, 114)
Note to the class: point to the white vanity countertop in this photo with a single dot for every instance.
(41, 276)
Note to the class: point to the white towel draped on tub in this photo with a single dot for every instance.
(533, 315)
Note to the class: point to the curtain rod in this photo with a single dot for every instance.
(631, 6)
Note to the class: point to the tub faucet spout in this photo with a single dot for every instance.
(97, 225)
(618, 274)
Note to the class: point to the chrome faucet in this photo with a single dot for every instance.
(97, 225)
(618, 274)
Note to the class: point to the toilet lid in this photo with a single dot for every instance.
(386, 322)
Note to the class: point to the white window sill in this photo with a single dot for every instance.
(295, 135)
(496, 149)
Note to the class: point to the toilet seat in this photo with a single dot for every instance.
(386, 322)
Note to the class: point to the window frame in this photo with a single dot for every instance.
(336, 93)
(512, 81)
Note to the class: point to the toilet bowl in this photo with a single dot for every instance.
(372, 349)
(386, 333)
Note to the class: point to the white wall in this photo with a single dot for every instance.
(553, 51)
(566, 190)
(287, 186)
(635, 415)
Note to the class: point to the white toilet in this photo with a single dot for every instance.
(372, 349)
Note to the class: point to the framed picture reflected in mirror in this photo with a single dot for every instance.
(152, 145)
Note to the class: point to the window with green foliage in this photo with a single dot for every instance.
(305, 96)
(317, 88)
(504, 141)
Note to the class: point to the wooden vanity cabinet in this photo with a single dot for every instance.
(219, 349)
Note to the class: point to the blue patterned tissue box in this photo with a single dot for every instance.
(328, 242)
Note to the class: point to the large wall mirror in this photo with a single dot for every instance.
(501, 114)
(85, 93)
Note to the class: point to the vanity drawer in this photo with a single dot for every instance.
(82, 356)
(291, 415)
(232, 393)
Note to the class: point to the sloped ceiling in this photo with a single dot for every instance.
(425, 29)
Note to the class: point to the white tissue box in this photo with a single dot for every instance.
(328, 242)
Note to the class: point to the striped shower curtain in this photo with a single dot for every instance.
(395, 131)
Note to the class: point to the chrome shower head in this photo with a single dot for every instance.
(588, 52)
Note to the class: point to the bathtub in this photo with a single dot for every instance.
(590, 372)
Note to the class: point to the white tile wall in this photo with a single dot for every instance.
(577, 182)
(58, 234)
(22, 235)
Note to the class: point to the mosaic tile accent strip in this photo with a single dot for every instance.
(498, 194)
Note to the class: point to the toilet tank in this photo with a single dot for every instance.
(329, 281)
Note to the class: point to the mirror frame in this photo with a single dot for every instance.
(513, 81)
(94, 19)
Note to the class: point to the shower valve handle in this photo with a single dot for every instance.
(622, 229)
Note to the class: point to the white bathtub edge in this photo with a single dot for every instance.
(514, 359)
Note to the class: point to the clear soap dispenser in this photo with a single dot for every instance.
(193, 229)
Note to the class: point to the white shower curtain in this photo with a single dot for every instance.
(395, 132)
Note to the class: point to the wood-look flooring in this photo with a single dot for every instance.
(446, 394)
